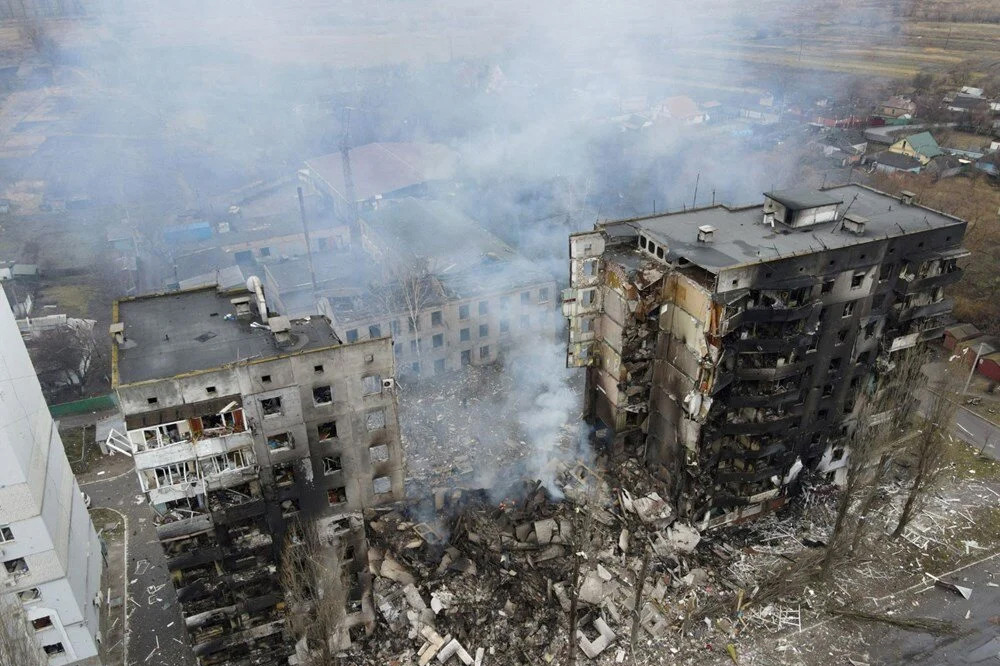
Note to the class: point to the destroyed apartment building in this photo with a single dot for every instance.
(449, 292)
(249, 432)
(728, 346)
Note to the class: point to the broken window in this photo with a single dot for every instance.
(151, 401)
(484, 330)
(587, 296)
(415, 367)
(375, 420)
(484, 353)
(271, 406)
(289, 507)
(265, 379)
(352, 335)
(863, 357)
(587, 325)
(834, 365)
(394, 326)
(870, 328)
(842, 335)
(525, 297)
(53, 649)
(885, 271)
(371, 384)
(439, 366)
(336, 495)
(466, 357)
(210, 390)
(378, 454)
(327, 430)
(504, 325)
(463, 311)
(828, 390)
(484, 307)
(27, 596)
(589, 268)
(348, 553)
(322, 395)
(438, 340)
(374, 331)
(436, 318)
(822, 414)
(849, 308)
(16, 566)
(543, 295)
(464, 335)
(6, 534)
(283, 474)
(857, 280)
(281, 441)
(265, 252)
(381, 485)
(827, 287)
(331, 464)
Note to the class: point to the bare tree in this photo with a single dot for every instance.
(928, 449)
(883, 413)
(66, 353)
(409, 288)
(17, 642)
(315, 589)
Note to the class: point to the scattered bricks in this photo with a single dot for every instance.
(545, 529)
(550, 553)
(455, 648)
(591, 590)
(651, 620)
(682, 538)
(393, 570)
(480, 653)
(598, 645)
(413, 598)
(430, 648)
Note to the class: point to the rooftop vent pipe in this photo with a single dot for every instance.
(706, 233)
(254, 285)
(907, 197)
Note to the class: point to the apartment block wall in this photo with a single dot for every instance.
(51, 546)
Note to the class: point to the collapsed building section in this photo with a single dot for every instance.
(248, 432)
(728, 346)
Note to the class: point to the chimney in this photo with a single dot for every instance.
(855, 224)
(117, 331)
(242, 306)
(706, 233)
(907, 197)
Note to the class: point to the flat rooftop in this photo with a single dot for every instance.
(741, 238)
(186, 331)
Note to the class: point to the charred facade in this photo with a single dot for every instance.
(728, 346)
(246, 430)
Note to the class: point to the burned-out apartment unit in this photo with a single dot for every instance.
(729, 346)
(249, 431)
(449, 292)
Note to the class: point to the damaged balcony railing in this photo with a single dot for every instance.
(763, 393)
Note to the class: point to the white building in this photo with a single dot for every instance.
(52, 559)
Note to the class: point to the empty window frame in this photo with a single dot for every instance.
(265, 379)
(439, 366)
(332, 465)
(318, 369)
(484, 330)
(284, 474)
(16, 566)
(322, 395)
(838, 454)
(463, 311)
(484, 353)
(466, 357)
(280, 441)
(849, 308)
(857, 280)
(588, 296)
(437, 319)
(415, 367)
(378, 453)
(589, 268)
(525, 297)
(53, 649)
(151, 401)
(484, 307)
(371, 384)
(375, 420)
(327, 430)
(504, 325)
(352, 335)
(335, 496)
(374, 331)
(40, 623)
(271, 406)
(6, 534)
(464, 335)
(210, 390)
(525, 321)
(27, 596)
(587, 325)
(381, 485)
(438, 340)
(827, 286)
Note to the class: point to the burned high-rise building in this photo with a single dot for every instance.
(728, 346)
(247, 429)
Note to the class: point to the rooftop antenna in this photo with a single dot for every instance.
(654, 206)
(846, 211)
(713, 196)
(309, 254)
(901, 227)
(694, 202)
(820, 241)
(823, 186)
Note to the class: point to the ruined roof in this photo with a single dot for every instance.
(897, 160)
(381, 168)
(740, 237)
(800, 199)
(187, 331)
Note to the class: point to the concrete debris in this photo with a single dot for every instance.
(454, 649)
(957, 589)
(592, 648)
(683, 538)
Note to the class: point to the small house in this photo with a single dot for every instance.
(921, 146)
(959, 333)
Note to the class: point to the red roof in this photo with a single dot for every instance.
(381, 168)
(681, 107)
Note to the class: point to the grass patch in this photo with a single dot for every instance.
(81, 449)
(107, 523)
(73, 299)
(970, 465)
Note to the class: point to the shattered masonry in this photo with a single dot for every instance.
(727, 346)
(245, 433)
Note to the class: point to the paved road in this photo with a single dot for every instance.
(979, 640)
(156, 635)
(977, 431)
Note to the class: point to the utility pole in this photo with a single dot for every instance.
(349, 194)
(694, 202)
(309, 253)
(972, 370)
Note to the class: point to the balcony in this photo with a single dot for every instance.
(731, 450)
(771, 373)
(910, 284)
(775, 345)
(772, 425)
(733, 475)
(188, 450)
(929, 310)
(740, 396)
(184, 526)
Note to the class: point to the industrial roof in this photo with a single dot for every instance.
(382, 168)
(802, 198)
(186, 331)
(741, 238)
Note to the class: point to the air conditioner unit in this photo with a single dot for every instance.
(388, 384)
